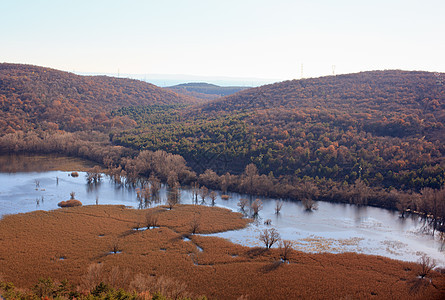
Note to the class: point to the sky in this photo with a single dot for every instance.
(274, 40)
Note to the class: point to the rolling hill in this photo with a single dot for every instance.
(416, 97)
(36, 97)
(386, 128)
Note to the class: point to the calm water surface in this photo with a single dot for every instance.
(331, 228)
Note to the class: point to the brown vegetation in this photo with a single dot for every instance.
(160, 258)
(34, 97)
(69, 203)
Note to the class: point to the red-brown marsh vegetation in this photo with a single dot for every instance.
(32, 245)
(69, 203)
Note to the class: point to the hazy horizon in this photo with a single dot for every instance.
(278, 40)
(166, 80)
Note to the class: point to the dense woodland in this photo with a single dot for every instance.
(385, 128)
(41, 98)
(371, 138)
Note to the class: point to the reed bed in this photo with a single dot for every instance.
(71, 243)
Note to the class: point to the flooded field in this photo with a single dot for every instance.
(30, 183)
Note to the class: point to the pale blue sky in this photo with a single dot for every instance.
(263, 39)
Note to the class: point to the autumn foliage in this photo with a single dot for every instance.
(34, 97)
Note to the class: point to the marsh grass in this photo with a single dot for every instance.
(29, 242)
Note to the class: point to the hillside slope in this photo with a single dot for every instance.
(37, 97)
(384, 127)
(371, 97)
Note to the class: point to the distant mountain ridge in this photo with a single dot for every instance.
(206, 91)
(31, 96)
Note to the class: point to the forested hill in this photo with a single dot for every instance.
(384, 127)
(32, 96)
(385, 91)
(205, 91)
(395, 103)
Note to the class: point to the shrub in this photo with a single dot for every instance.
(151, 220)
(69, 203)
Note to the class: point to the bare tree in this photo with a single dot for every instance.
(115, 248)
(309, 204)
(172, 179)
(269, 237)
(94, 175)
(224, 183)
(250, 174)
(173, 196)
(285, 249)
(72, 195)
(242, 203)
(119, 278)
(427, 264)
(432, 207)
(151, 220)
(213, 197)
(256, 206)
(203, 192)
(93, 276)
(361, 193)
(137, 226)
(195, 192)
(146, 193)
(278, 206)
(155, 186)
(194, 225)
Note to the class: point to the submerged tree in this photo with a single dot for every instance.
(278, 206)
(213, 197)
(173, 196)
(309, 204)
(203, 193)
(94, 175)
(256, 206)
(242, 203)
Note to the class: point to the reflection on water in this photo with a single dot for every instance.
(331, 228)
(38, 163)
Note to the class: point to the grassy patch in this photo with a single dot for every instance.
(32, 245)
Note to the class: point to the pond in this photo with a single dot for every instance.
(331, 228)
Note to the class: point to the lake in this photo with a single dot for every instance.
(331, 228)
